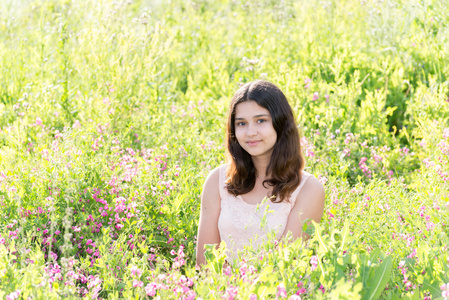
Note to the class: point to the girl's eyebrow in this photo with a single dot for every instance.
(256, 116)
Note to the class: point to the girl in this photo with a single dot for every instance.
(265, 161)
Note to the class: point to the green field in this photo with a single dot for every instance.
(112, 113)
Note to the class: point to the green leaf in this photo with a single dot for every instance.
(380, 280)
(344, 235)
(433, 287)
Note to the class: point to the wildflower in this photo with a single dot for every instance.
(423, 143)
(446, 130)
(54, 255)
(445, 291)
(294, 297)
(137, 283)
(282, 292)
(413, 254)
(322, 289)
(76, 124)
(315, 96)
(232, 292)
(314, 262)
(377, 158)
(58, 135)
(307, 82)
(349, 138)
(404, 151)
(322, 179)
(227, 271)
(136, 271)
(14, 295)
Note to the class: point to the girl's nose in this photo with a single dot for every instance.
(252, 131)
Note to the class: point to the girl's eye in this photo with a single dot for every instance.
(241, 124)
(260, 121)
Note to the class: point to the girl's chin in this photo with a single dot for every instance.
(259, 154)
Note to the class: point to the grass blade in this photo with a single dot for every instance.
(380, 280)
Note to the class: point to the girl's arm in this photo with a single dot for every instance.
(309, 205)
(210, 211)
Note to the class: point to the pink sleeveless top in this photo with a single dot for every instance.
(242, 224)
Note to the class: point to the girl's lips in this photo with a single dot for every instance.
(253, 143)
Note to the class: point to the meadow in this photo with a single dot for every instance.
(112, 114)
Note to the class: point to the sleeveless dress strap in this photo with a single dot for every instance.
(295, 193)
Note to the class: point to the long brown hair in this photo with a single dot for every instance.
(286, 161)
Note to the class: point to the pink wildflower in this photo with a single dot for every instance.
(232, 292)
(413, 254)
(445, 291)
(14, 295)
(282, 292)
(307, 82)
(227, 271)
(135, 271)
(137, 283)
(446, 131)
(314, 262)
(322, 289)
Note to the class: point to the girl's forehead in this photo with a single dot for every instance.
(250, 109)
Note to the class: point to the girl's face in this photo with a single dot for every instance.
(254, 129)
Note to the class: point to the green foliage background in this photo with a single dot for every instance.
(108, 99)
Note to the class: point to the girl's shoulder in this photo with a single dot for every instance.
(308, 180)
(311, 188)
(216, 172)
(216, 177)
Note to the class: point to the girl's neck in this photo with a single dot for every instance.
(261, 164)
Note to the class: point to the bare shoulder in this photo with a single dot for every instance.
(211, 186)
(213, 178)
(313, 186)
(311, 199)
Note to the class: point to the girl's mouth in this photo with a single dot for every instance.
(253, 143)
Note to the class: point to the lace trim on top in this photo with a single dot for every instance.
(241, 224)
